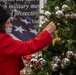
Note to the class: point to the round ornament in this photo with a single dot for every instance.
(54, 67)
(33, 61)
(59, 13)
(56, 8)
(67, 15)
(42, 61)
(69, 54)
(64, 7)
(66, 61)
(47, 14)
(56, 59)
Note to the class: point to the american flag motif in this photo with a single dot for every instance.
(23, 29)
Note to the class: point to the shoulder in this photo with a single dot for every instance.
(4, 35)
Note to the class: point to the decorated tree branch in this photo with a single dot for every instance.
(59, 57)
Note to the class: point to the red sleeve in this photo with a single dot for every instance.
(17, 48)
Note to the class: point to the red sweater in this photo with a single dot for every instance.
(11, 51)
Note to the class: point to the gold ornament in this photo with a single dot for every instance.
(56, 38)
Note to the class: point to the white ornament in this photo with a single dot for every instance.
(64, 7)
(33, 61)
(42, 61)
(54, 67)
(33, 55)
(47, 14)
(43, 22)
(40, 55)
(46, 20)
(40, 25)
(56, 59)
(56, 8)
(67, 15)
(66, 61)
(69, 54)
(59, 12)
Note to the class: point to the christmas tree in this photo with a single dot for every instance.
(58, 58)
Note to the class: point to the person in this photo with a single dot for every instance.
(12, 50)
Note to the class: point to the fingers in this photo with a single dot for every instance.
(51, 27)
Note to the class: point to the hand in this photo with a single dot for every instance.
(51, 27)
